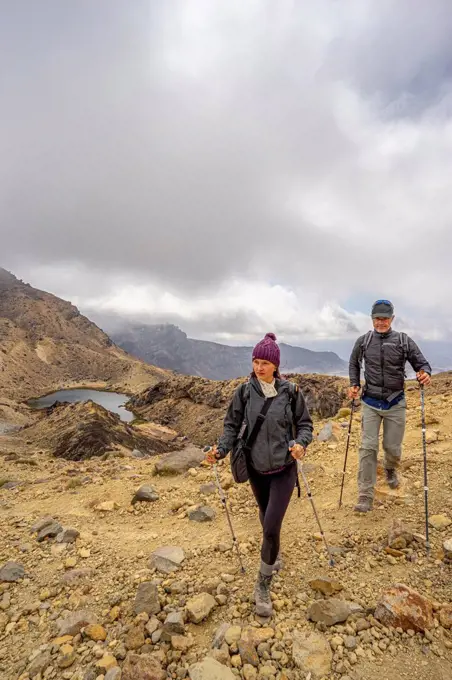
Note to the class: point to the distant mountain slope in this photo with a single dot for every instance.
(168, 347)
(45, 343)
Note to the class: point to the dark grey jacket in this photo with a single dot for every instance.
(384, 364)
(271, 448)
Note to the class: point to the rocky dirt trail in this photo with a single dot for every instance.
(108, 570)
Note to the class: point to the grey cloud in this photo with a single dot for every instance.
(165, 142)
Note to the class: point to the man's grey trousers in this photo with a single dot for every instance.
(394, 420)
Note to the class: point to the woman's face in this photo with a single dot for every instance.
(264, 369)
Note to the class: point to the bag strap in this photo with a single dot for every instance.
(257, 425)
(293, 403)
(364, 345)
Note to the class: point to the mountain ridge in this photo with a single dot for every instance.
(167, 346)
(47, 344)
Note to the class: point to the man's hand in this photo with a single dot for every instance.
(353, 392)
(212, 455)
(423, 378)
(297, 451)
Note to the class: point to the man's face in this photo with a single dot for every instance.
(382, 324)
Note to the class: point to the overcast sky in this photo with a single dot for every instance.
(233, 167)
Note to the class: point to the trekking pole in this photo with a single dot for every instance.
(308, 491)
(346, 451)
(424, 446)
(223, 500)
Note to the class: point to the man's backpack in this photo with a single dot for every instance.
(403, 337)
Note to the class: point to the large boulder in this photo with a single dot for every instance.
(312, 654)
(142, 667)
(178, 462)
(332, 611)
(402, 607)
(209, 669)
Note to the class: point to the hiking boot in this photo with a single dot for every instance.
(262, 597)
(364, 504)
(392, 479)
(278, 564)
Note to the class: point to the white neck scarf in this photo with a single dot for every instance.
(268, 389)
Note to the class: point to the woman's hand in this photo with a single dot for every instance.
(298, 452)
(212, 455)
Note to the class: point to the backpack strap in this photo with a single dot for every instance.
(293, 390)
(364, 345)
(404, 342)
(405, 349)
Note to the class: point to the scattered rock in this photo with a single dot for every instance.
(41, 523)
(232, 634)
(77, 575)
(67, 536)
(167, 559)
(208, 489)
(39, 664)
(200, 606)
(145, 494)
(220, 634)
(136, 453)
(431, 436)
(210, 669)
(439, 522)
(96, 632)
(327, 434)
(107, 662)
(247, 651)
(12, 572)
(67, 656)
(73, 624)
(202, 514)
(107, 506)
(147, 599)
(113, 674)
(135, 637)
(177, 462)
(174, 624)
(332, 611)
(399, 536)
(326, 585)
(447, 547)
(181, 643)
(142, 667)
(403, 607)
(312, 654)
(49, 531)
(445, 616)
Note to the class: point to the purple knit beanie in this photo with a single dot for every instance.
(267, 349)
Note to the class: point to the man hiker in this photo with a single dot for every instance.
(384, 353)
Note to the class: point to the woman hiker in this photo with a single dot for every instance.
(270, 464)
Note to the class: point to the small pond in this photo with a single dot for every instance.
(112, 401)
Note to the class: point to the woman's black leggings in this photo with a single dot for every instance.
(272, 493)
